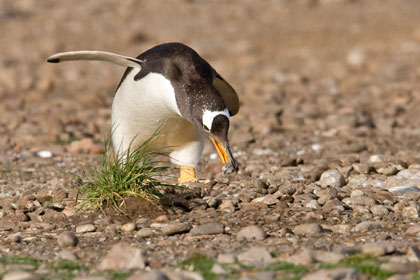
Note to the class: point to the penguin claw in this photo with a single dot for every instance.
(187, 175)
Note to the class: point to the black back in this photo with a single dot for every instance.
(190, 75)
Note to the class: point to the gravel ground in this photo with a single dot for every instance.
(327, 140)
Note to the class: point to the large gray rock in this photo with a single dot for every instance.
(122, 257)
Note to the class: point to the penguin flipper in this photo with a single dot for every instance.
(96, 55)
(228, 94)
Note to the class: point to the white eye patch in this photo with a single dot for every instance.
(208, 116)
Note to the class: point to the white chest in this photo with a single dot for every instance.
(142, 107)
(153, 94)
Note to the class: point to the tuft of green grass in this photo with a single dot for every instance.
(364, 263)
(65, 265)
(67, 141)
(119, 275)
(6, 170)
(199, 263)
(20, 260)
(133, 174)
(287, 267)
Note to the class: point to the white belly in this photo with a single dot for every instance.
(142, 107)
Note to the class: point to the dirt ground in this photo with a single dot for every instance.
(324, 85)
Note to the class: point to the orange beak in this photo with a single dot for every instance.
(221, 151)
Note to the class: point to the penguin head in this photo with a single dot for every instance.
(215, 123)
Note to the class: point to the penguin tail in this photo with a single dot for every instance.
(96, 55)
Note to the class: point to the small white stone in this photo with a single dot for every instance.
(44, 154)
(316, 147)
(85, 228)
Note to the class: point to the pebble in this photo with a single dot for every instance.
(218, 269)
(356, 193)
(305, 257)
(397, 267)
(400, 277)
(379, 248)
(252, 232)
(123, 257)
(312, 204)
(69, 211)
(379, 210)
(332, 178)
(145, 232)
(67, 238)
(92, 278)
(182, 274)
(44, 154)
(227, 206)
(85, 228)
(20, 275)
(307, 229)
(413, 230)
(413, 254)
(267, 199)
(67, 255)
(128, 227)
(367, 226)
(212, 202)
(387, 170)
(333, 204)
(334, 274)
(328, 257)
(361, 200)
(343, 229)
(255, 256)
(356, 58)
(210, 228)
(149, 275)
(176, 228)
(361, 168)
(226, 258)
(410, 212)
(404, 189)
(158, 225)
(161, 219)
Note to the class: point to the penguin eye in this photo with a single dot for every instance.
(205, 127)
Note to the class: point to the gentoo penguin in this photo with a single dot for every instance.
(169, 88)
